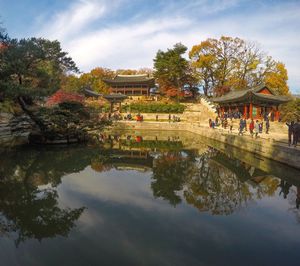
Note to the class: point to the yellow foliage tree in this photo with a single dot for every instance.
(277, 79)
(235, 63)
(93, 80)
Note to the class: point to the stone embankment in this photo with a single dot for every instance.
(268, 148)
(14, 129)
(194, 112)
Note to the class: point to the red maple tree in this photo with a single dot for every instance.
(63, 96)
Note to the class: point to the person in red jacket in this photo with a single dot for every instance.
(251, 127)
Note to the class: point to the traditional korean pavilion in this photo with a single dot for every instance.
(131, 85)
(113, 98)
(252, 103)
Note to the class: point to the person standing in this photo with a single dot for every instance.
(267, 125)
(231, 125)
(256, 128)
(245, 124)
(251, 127)
(260, 125)
(241, 127)
(156, 117)
(225, 123)
(290, 132)
(217, 121)
(169, 118)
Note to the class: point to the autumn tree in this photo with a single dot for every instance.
(277, 78)
(92, 80)
(171, 69)
(70, 83)
(237, 64)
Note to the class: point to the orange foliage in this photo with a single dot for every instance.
(63, 96)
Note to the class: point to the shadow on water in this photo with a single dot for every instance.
(203, 173)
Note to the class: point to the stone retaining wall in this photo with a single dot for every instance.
(265, 147)
(14, 129)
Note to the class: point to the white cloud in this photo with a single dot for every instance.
(124, 46)
(133, 43)
(66, 24)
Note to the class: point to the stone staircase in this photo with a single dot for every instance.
(209, 105)
(197, 112)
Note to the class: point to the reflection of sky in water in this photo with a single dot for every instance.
(124, 225)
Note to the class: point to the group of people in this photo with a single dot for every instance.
(138, 117)
(233, 114)
(255, 128)
(175, 118)
(110, 116)
(293, 132)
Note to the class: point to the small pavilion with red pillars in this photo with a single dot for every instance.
(253, 103)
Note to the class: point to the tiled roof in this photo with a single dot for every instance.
(244, 94)
(272, 98)
(141, 79)
(232, 95)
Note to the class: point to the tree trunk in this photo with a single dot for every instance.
(33, 117)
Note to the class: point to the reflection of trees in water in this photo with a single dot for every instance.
(30, 211)
(211, 182)
(169, 175)
(218, 191)
(44, 166)
(208, 182)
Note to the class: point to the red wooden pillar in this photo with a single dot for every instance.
(245, 111)
(250, 110)
(277, 114)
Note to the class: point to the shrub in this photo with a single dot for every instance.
(154, 108)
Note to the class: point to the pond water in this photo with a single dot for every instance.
(147, 199)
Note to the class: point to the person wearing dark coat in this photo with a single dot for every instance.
(296, 133)
(245, 124)
(290, 132)
(267, 125)
(241, 127)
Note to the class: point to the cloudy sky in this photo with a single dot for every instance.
(128, 33)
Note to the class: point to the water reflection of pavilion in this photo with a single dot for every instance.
(131, 160)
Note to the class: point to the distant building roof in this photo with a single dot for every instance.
(113, 97)
(130, 79)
